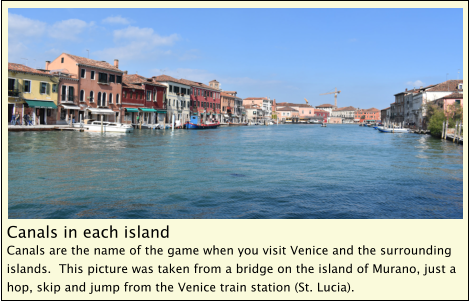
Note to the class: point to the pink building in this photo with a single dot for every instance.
(454, 98)
(99, 86)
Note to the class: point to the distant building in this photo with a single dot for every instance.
(265, 104)
(287, 114)
(326, 107)
(444, 102)
(346, 113)
(367, 115)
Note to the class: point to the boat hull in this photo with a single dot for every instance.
(190, 125)
(393, 130)
(238, 124)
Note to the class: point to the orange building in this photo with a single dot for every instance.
(371, 115)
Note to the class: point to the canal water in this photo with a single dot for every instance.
(253, 172)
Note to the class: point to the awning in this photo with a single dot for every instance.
(44, 104)
(226, 116)
(162, 111)
(147, 109)
(71, 107)
(131, 110)
(101, 111)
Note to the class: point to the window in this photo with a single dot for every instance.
(92, 75)
(154, 96)
(62, 60)
(457, 101)
(112, 78)
(54, 88)
(82, 95)
(118, 79)
(71, 92)
(99, 99)
(27, 86)
(117, 98)
(141, 94)
(171, 88)
(82, 73)
(149, 95)
(176, 89)
(124, 94)
(91, 97)
(102, 78)
(110, 98)
(130, 95)
(460, 86)
(103, 100)
(43, 88)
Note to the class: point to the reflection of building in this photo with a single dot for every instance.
(99, 86)
(32, 92)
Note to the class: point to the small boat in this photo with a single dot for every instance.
(393, 130)
(95, 126)
(323, 124)
(195, 123)
(237, 124)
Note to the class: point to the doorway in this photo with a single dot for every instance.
(42, 113)
(10, 111)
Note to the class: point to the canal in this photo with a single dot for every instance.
(252, 172)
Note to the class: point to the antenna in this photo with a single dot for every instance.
(88, 54)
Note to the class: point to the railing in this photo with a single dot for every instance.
(13, 93)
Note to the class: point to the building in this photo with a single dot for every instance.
(326, 107)
(99, 86)
(142, 97)
(335, 120)
(367, 115)
(231, 107)
(204, 99)
(346, 113)
(254, 113)
(410, 108)
(32, 92)
(177, 98)
(431, 93)
(385, 116)
(265, 103)
(444, 102)
(306, 112)
(398, 112)
(287, 114)
(321, 114)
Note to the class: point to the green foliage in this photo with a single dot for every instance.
(435, 122)
(435, 116)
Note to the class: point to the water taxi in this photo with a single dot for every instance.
(95, 126)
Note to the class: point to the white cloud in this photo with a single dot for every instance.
(68, 29)
(116, 19)
(19, 27)
(144, 35)
(416, 83)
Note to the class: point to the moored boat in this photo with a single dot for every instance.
(95, 126)
(195, 123)
(393, 130)
(237, 124)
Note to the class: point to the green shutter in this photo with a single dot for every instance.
(16, 84)
(48, 90)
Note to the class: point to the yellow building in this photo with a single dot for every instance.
(32, 92)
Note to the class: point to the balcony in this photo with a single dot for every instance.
(13, 93)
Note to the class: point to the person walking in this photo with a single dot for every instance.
(13, 119)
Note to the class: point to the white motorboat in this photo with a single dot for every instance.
(95, 126)
(393, 130)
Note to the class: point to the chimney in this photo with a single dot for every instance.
(47, 65)
(116, 63)
(406, 89)
(125, 72)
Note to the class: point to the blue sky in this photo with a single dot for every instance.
(286, 54)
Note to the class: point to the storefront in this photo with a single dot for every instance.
(73, 112)
(42, 111)
(148, 115)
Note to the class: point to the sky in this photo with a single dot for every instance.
(285, 54)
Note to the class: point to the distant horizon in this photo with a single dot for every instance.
(284, 54)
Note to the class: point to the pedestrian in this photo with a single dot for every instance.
(73, 119)
(13, 119)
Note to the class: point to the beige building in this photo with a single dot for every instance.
(346, 113)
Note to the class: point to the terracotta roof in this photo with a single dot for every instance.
(256, 98)
(372, 109)
(227, 95)
(95, 63)
(321, 111)
(386, 108)
(326, 105)
(251, 107)
(452, 96)
(166, 78)
(345, 108)
(199, 84)
(286, 109)
(25, 69)
(449, 85)
(128, 85)
(294, 104)
(135, 78)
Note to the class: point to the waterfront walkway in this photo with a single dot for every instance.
(36, 127)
